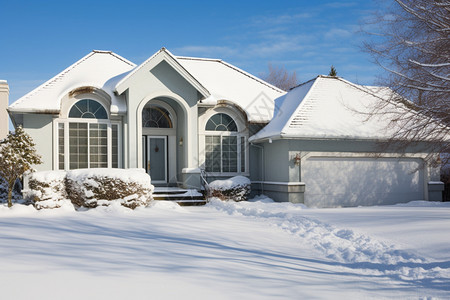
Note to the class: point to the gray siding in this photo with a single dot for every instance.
(40, 128)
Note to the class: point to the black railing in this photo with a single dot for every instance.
(205, 183)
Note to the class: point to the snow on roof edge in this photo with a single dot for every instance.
(163, 49)
(260, 135)
(32, 92)
(66, 70)
(198, 58)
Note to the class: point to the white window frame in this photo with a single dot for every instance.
(238, 150)
(66, 121)
(242, 131)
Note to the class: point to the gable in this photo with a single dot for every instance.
(159, 60)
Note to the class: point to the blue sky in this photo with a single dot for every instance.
(41, 38)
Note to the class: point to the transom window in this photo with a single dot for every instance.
(224, 146)
(88, 139)
(156, 117)
(88, 109)
(221, 122)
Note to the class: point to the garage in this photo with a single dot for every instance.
(355, 181)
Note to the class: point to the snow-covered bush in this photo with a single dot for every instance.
(47, 189)
(235, 188)
(89, 188)
(100, 187)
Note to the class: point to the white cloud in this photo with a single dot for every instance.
(338, 33)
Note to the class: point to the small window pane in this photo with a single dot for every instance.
(61, 146)
(243, 146)
(115, 146)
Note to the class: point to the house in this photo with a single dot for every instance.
(175, 115)
(4, 102)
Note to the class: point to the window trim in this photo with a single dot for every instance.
(242, 131)
(63, 118)
(238, 152)
(66, 123)
(88, 99)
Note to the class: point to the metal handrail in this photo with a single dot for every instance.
(205, 183)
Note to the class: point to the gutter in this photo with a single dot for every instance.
(12, 110)
(306, 138)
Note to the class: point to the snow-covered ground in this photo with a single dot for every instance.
(226, 250)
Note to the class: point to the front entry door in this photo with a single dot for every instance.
(157, 158)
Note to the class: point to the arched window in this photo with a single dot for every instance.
(224, 146)
(88, 133)
(156, 117)
(88, 109)
(221, 122)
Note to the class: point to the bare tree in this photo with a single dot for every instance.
(410, 40)
(280, 77)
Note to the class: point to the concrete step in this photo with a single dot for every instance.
(181, 196)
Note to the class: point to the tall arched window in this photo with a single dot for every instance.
(88, 133)
(224, 146)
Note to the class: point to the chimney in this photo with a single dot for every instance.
(4, 102)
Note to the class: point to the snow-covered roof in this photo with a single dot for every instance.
(227, 82)
(99, 69)
(121, 85)
(214, 78)
(328, 107)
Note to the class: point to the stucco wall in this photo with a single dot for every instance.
(276, 161)
(162, 81)
(40, 128)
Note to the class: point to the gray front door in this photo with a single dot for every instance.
(157, 158)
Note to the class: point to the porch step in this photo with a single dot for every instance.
(178, 195)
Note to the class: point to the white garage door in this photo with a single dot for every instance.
(332, 181)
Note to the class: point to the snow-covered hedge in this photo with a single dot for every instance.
(95, 187)
(90, 188)
(46, 189)
(235, 188)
